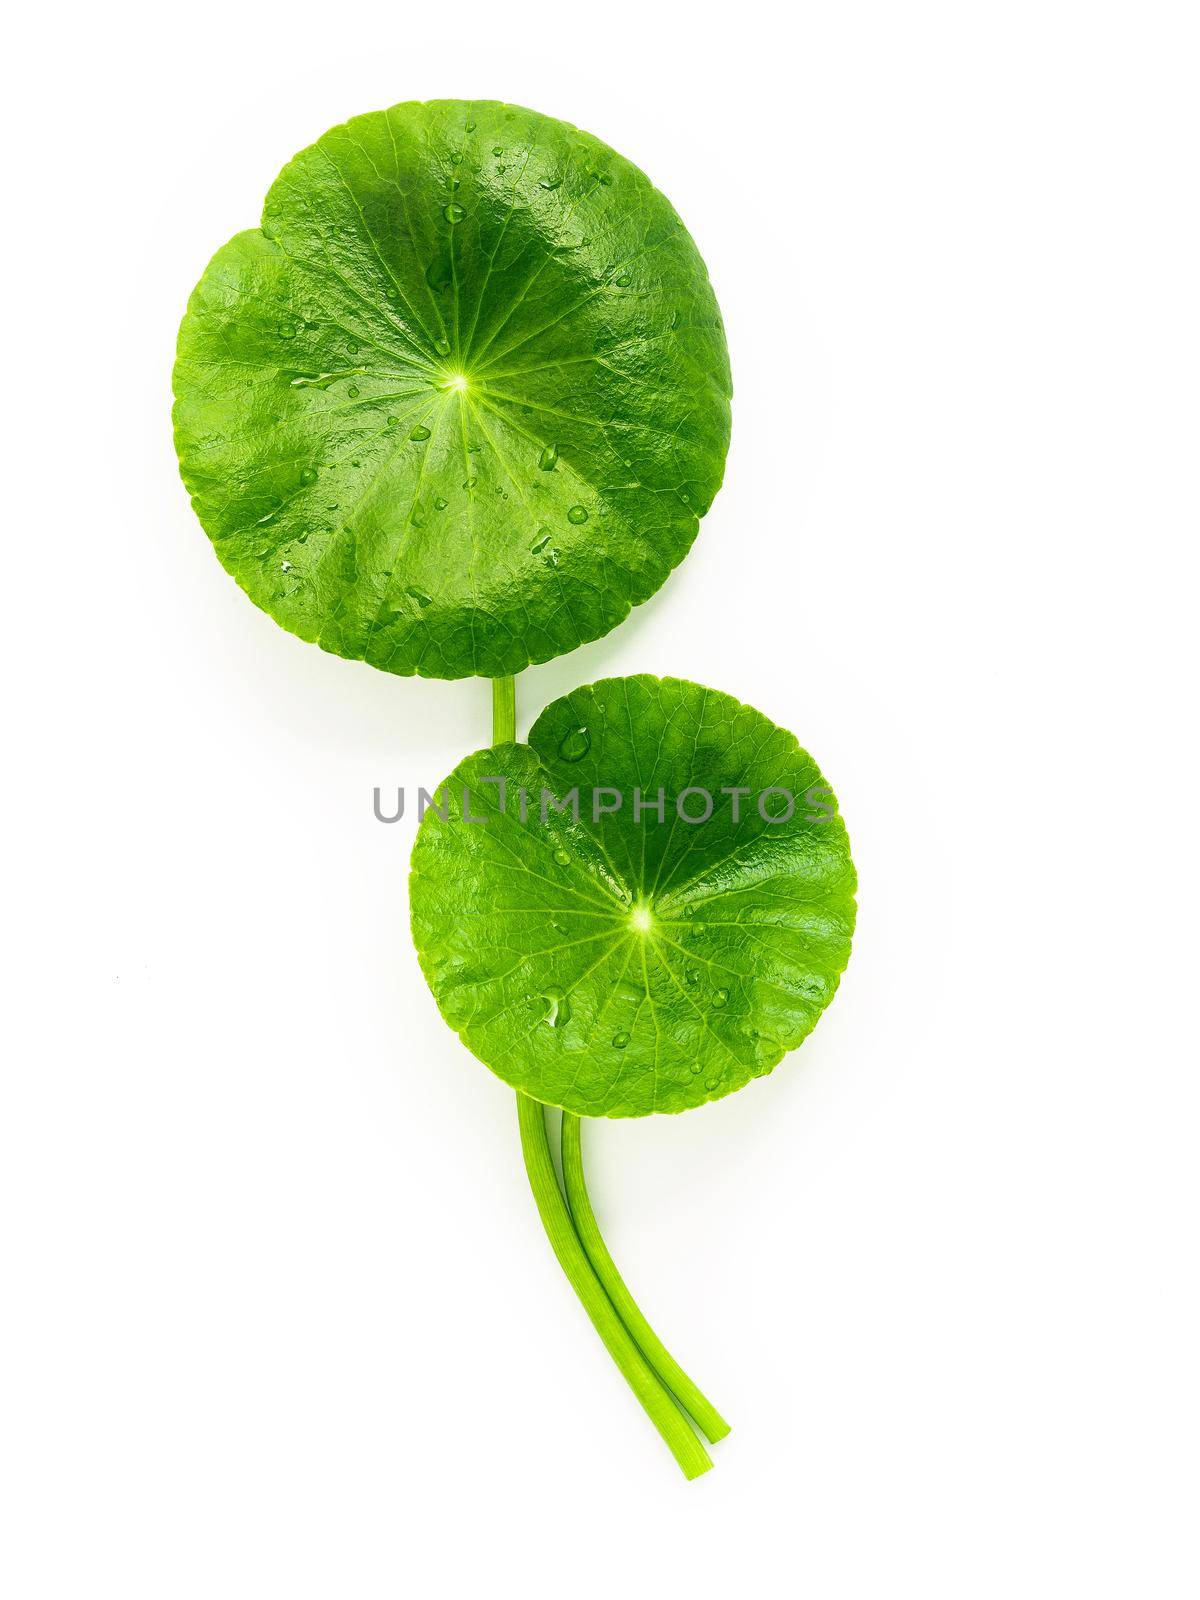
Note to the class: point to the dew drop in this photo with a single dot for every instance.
(693, 975)
(720, 997)
(620, 1040)
(497, 150)
(548, 459)
(439, 274)
(417, 515)
(354, 391)
(577, 514)
(469, 483)
(711, 1084)
(442, 346)
(440, 503)
(419, 433)
(624, 280)
(697, 1069)
(540, 543)
(393, 422)
(422, 600)
(561, 858)
(575, 744)
(453, 212)
(286, 331)
(309, 475)
(550, 183)
(558, 1008)
(471, 126)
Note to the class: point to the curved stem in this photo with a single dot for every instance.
(656, 1400)
(556, 1219)
(706, 1416)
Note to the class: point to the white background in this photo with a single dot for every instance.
(280, 1318)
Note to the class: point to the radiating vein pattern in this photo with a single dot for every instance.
(619, 960)
(460, 401)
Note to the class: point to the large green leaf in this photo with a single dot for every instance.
(620, 966)
(461, 400)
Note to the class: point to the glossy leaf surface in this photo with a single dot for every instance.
(617, 965)
(460, 401)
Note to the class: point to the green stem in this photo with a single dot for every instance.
(706, 1416)
(656, 1400)
(658, 1405)
(504, 710)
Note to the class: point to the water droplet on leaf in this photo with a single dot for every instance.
(548, 459)
(577, 514)
(453, 212)
(439, 274)
(558, 1008)
(575, 744)
(419, 433)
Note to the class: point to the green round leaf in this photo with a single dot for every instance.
(461, 400)
(618, 965)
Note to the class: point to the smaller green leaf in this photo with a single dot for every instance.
(614, 954)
